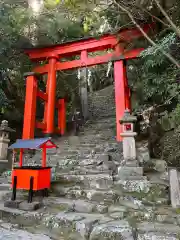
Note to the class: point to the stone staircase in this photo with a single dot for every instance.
(93, 196)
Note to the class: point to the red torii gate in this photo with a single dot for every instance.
(82, 47)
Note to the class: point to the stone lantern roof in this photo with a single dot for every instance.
(5, 128)
(128, 118)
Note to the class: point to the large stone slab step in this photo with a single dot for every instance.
(156, 236)
(103, 120)
(76, 225)
(153, 227)
(57, 204)
(15, 234)
(102, 196)
(113, 230)
(97, 181)
(5, 187)
(79, 192)
(17, 216)
(134, 185)
(100, 126)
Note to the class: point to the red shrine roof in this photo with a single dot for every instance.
(32, 143)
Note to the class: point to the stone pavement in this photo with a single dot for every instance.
(9, 232)
(93, 197)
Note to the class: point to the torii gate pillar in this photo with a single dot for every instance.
(51, 93)
(122, 94)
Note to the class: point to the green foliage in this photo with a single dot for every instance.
(3, 101)
(156, 77)
(176, 115)
(153, 55)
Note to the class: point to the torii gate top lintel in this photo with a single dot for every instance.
(84, 46)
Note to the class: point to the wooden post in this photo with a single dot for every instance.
(13, 158)
(21, 158)
(83, 88)
(174, 188)
(61, 116)
(44, 157)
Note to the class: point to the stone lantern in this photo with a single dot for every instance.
(128, 135)
(4, 140)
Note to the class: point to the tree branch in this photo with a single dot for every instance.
(174, 27)
(157, 18)
(171, 58)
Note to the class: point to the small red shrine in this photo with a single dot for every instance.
(82, 48)
(31, 178)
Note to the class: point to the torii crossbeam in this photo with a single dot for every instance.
(82, 48)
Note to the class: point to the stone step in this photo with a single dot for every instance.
(78, 170)
(129, 178)
(5, 187)
(85, 145)
(154, 196)
(154, 227)
(92, 181)
(131, 207)
(108, 133)
(90, 171)
(58, 222)
(97, 148)
(76, 225)
(86, 224)
(79, 192)
(73, 152)
(80, 155)
(103, 120)
(98, 138)
(118, 229)
(157, 236)
(4, 194)
(56, 204)
(94, 161)
(100, 126)
(147, 213)
(10, 233)
(103, 196)
(17, 216)
(135, 185)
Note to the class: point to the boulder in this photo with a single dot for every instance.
(85, 226)
(134, 185)
(82, 206)
(159, 165)
(143, 155)
(124, 171)
(115, 230)
(156, 236)
(163, 228)
(100, 208)
(14, 234)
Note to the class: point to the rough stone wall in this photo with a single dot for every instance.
(102, 103)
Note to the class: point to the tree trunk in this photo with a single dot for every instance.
(84, 93)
